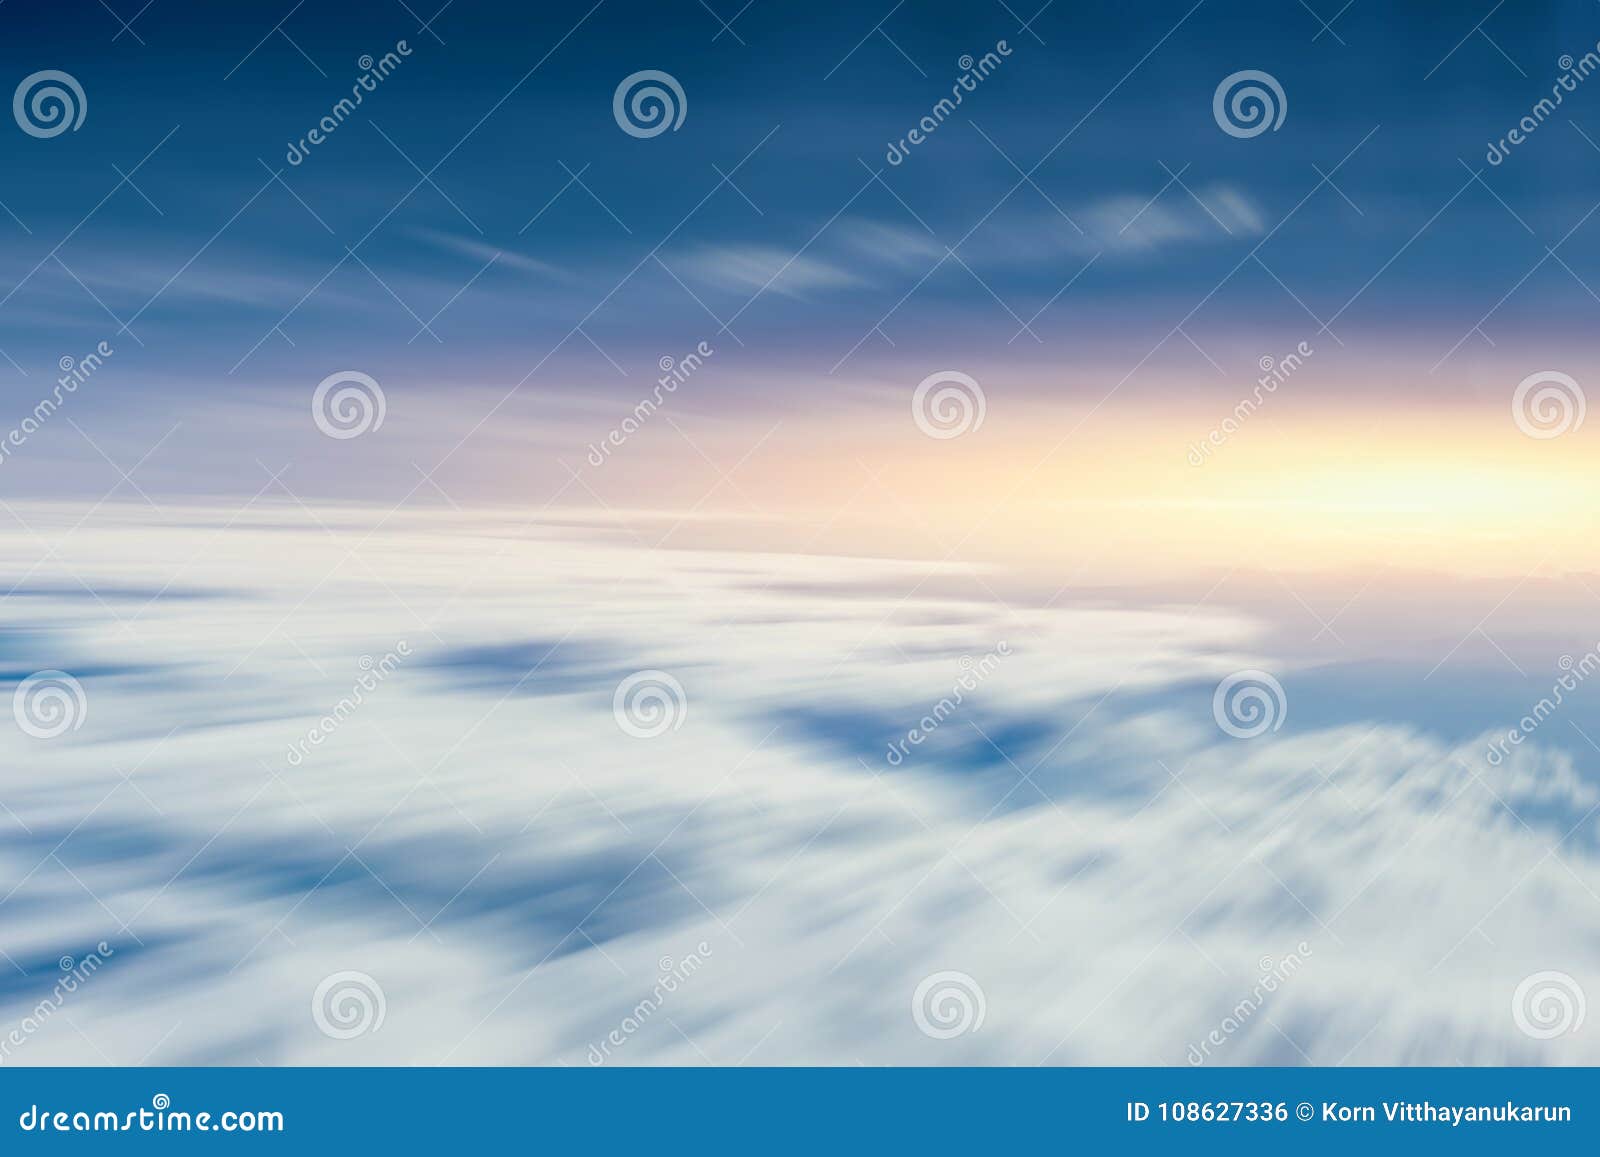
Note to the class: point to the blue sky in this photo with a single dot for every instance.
(482, 238)
(1119, 99)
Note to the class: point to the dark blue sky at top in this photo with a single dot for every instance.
(778, 69)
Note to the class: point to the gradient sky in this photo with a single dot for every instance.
(1381, 540)
(244, 292)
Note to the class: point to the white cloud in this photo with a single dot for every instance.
(482, 251)
(521, 865)
(751, 268)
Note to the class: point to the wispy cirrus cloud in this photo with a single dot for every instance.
(503, 257)
(749, 268)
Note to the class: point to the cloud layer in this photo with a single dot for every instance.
(517, 873)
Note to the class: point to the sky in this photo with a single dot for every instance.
(1083, 188)
(1105, 579)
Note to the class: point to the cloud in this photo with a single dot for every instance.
(886, 243)
(1209, 216)
(1077, 835)
(481, 251)
(748, 269)
(1125, 225)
